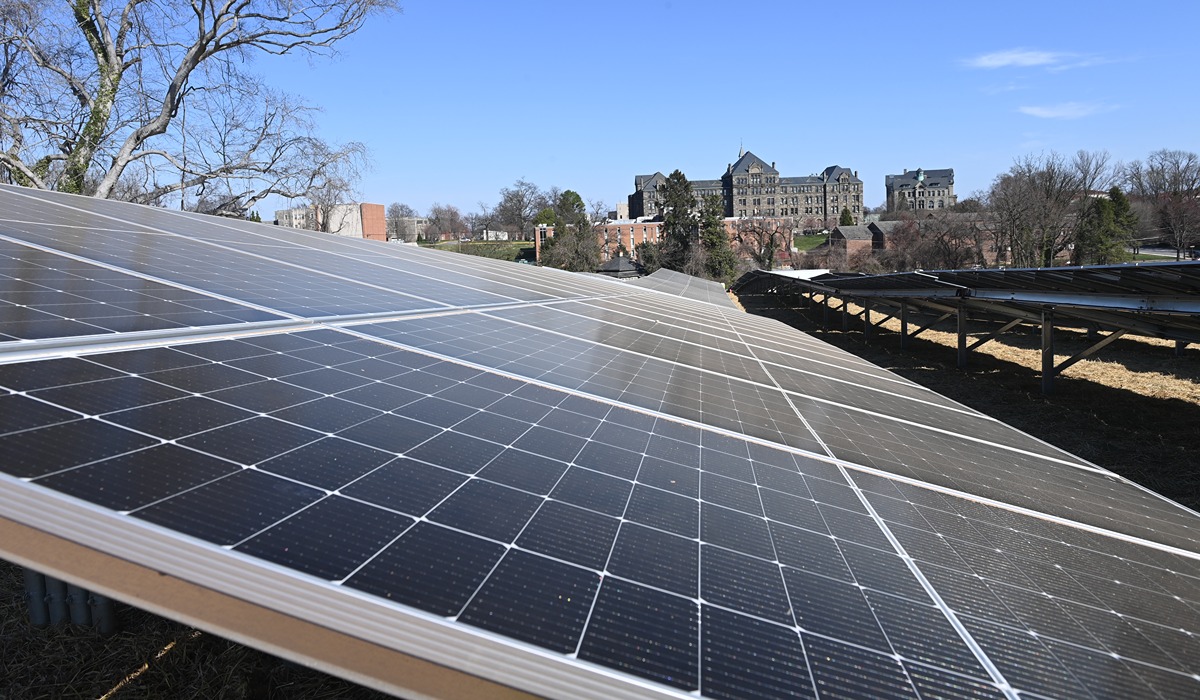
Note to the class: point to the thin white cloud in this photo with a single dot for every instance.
(1020, 58)
(1081, 62)
(1053, 61)
(1001, 89)
(1066, 110)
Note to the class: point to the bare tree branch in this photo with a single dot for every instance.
(91, 87)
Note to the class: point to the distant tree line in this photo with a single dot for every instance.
(522, 208)
(1046, 210)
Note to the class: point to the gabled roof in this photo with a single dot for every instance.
(833, 172)
(885, 227)
(854, 233)
(748, 159)
(648, 182)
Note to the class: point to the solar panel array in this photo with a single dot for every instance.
(679, 284)
(559, 483)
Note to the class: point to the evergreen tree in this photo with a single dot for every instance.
(679, 224)
(1124, 216)
(1105, 231)
(574, 245)
(719, 260)
(647, 255)
(847, 218)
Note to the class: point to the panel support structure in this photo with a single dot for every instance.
(962, 337)
(931, 324)
(1084, 354)
(995, 334)
(1048, 351)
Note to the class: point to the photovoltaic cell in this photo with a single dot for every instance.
(637, 483)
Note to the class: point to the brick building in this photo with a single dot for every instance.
(619, 237)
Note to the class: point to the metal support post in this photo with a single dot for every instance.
(962, 337)
(1048, 350)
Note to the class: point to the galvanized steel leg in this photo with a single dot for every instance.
(1047, 351)
(962, 337)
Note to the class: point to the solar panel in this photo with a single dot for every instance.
(678, 283)
(514, 478)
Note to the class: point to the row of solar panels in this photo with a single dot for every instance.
(554, 483)
(1157, 299)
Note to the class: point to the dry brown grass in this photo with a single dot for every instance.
(1133, 408)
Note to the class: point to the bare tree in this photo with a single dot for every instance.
(1036, 204)
(399, 222)
(598, 211)
(89, 89)
(444, 221)
(762, 239)
(486, 219)
(332, 185)
(1169, 182)
(519, 205)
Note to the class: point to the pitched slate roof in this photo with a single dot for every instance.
(743, 164)
(833, 172)
(648, 182)
(932, 178)
(854, 233)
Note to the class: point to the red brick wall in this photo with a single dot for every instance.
(627, 233)
(374, 222)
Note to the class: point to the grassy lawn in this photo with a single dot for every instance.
(804, 244)
(499, 250)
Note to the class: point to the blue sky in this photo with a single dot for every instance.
(456, 100)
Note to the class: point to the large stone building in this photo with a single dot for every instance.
(751, 187)
(920, 189)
